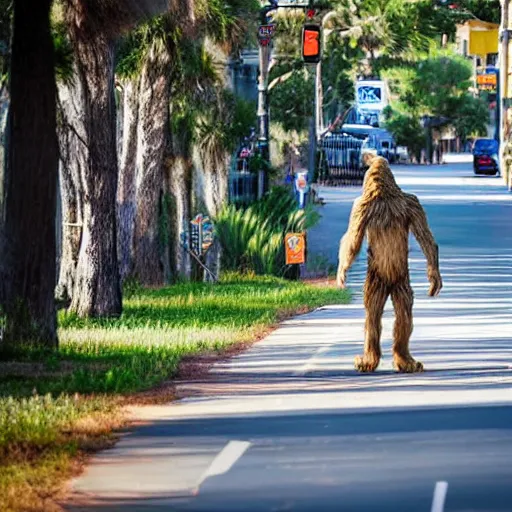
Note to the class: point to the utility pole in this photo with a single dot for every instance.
(265, 33)
(504, 93)
(263, 115)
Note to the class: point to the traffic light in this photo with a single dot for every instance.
(311, 43)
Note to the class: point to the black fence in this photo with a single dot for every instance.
(340, 160)
(243, 187)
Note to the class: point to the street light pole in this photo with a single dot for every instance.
(265, 51)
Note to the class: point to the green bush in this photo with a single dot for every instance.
(252, 238)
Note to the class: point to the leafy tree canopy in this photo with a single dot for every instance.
(291, 102)
(438, 88)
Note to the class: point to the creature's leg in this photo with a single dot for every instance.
(402, 297)
(375, 296)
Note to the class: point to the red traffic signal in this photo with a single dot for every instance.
(311, 43)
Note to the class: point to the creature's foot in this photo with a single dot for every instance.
(407, 365)
(366, 364)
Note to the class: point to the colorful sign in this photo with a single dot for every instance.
(266, 30)
(487, 82)
(301, 187)
(371, 95)
(295, 245)
(265, 33)
(201, 235)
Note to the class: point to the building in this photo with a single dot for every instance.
(478, 41)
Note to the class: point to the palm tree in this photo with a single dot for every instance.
(88, 119)
(192, 85)
(152, 50)
(390, 29)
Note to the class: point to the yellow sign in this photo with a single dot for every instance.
(295, 244)
(483, 42)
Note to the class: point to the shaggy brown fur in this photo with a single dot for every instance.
(386, 214)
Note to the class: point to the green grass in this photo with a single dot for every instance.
(43, 397)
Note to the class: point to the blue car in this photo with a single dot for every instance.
(485, 157)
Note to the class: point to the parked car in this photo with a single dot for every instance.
(485, 157)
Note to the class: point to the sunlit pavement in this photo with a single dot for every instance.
(289, 425)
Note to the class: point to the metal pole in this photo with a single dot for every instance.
(263, 118)
(503, 87)
(318, 100)
(475, 72)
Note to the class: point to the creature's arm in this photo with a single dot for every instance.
(351, 243)
(421, 231)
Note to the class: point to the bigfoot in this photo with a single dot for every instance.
(386, 214)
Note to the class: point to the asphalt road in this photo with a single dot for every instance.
(290, 426)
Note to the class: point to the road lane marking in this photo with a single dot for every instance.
(224, 460)
(440, 491)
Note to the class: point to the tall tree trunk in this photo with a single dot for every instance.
(73, 151)
(153, 127)
(213, 171)
(97, 289)
(126, 187)
(4, 111)
(71, 235)
(27, 240)
(179, 187)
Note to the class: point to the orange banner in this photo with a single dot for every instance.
(295, 244)
(487, 79)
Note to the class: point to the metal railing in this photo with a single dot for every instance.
(243, 188)
(340, 160)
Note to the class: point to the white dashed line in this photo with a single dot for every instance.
(439, 496)
(225, 460)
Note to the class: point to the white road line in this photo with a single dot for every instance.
(439, 496)
(225, 460)
(310, 363)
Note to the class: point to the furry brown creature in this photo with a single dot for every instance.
(385, 215)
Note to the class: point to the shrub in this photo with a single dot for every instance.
(252, 238)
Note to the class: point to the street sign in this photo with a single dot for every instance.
(266, 30)
(301, 187)
(198, 239)
(201, 234)
(265, 33)
(487, 82)
(295, 245)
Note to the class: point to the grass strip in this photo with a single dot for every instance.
(54, 407)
